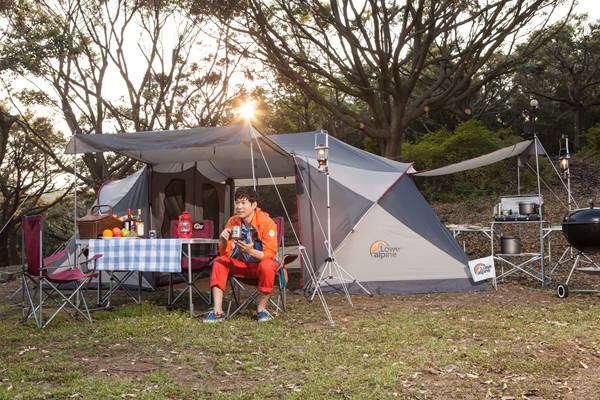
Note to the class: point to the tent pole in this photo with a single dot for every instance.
(75, 187)
(537, 170)
(252, 156)
(148, 226)
(518, 178)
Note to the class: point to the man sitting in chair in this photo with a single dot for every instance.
(253, 255)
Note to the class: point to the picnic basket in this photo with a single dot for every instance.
(92, 225)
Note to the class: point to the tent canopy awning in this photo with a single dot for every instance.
(524, 149)
(184, 145)
(218, 152)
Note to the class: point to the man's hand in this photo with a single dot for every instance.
(245, 247)
(226, 234)
(224, 237)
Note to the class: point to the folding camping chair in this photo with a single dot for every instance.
(200, 230)
(238, 283)
(37, 274)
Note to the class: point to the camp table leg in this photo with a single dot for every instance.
(189, 248)
(110, 289)
(99, 289)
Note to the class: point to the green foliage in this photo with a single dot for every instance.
(591, 150)
(469, 140)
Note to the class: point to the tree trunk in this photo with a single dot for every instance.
(6, 122)
(393, 144)
(577, 117)
(4, 249)
(13, 237)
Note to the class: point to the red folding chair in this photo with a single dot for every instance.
(48, 284)
(238, 283)
(200, 265)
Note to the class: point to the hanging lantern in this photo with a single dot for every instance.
(564, 166)
(184, 227)
(322, 149)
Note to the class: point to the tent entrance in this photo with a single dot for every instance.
(189, 190)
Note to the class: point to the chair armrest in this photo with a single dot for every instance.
(97, 256)
(288, 258)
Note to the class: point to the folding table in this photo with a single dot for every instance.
(133, 255)
(140, 255)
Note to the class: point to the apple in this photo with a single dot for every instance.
(125, 232)
(117, 232)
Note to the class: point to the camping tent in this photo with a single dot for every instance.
(384, 233)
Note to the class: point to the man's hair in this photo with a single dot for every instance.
(246, 193)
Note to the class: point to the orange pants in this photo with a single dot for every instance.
(264, 271)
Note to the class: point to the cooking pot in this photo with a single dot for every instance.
(528, 208)
(581, 228)
(510, 245)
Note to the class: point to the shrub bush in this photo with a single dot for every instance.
(591, 150)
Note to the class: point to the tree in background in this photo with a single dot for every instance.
(26, 176)
(566, 70)
(395, 60)
(119, 66)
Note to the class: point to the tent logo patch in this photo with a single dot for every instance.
(482, 269)
(381, 249)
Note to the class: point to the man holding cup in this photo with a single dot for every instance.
(247, 247)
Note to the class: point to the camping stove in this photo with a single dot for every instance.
(508, 209)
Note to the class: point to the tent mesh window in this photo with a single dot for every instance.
(174, 204)
(210, 204)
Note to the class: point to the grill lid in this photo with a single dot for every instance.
(589, 215)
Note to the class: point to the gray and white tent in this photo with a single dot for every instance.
(384, 233)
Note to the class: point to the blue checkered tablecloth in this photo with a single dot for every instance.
(146, 255)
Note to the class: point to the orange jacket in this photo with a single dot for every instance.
(266, 229)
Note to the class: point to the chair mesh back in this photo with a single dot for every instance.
(279, 222)
(200, 229)
(32, 227)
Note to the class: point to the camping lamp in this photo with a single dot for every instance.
(564, 165)
(184, 227)
(322, 149)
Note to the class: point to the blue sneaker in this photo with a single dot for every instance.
(214, 317)
(264, 316)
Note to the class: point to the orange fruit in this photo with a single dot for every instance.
(107, 233)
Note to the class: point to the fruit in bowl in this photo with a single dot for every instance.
(107, 233)
(125, 232)
(117, 232)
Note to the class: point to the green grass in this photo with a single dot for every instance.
(404, 351)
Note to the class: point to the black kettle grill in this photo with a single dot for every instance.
(581, 228)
